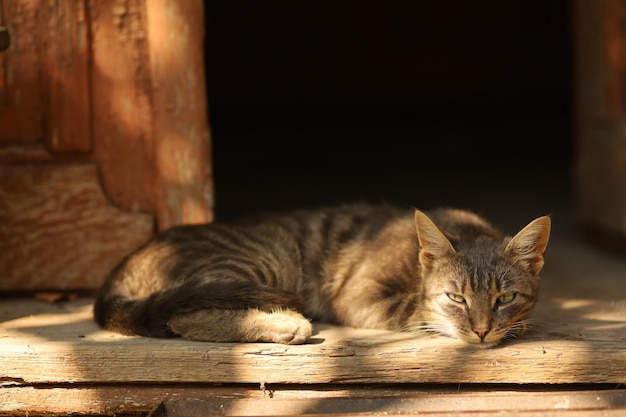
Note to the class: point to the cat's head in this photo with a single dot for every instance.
(480, 289)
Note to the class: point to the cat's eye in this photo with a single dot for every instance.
(506, 298)
(455, 297)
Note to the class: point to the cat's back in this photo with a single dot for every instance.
(328, 229)
(324, 232)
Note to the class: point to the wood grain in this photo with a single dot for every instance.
(439, 405)
(57, 229)
(123, 103)
(65, 33)
(151, 131)
(181, 132)
(21, 88)
(122, 111)
(208, 400)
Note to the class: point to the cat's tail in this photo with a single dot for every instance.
(149, 316)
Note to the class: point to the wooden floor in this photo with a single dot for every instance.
(53, 358)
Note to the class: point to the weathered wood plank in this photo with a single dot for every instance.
(58, 230)
(578, 336)
(447, 404)
(64, 345)
(283, 400)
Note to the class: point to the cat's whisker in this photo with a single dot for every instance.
(527, 324)
(518, 328)
(423, 329)
(509, 336)
(434, 329)
(532, 324)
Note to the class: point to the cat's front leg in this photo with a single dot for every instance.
(250, 325)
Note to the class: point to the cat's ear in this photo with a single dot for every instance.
(433, 243)
(529, 245)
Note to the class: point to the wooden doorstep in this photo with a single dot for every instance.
(53, 358)
(57, 344)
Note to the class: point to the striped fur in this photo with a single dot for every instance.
(264, 278)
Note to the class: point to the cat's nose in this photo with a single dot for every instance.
(482, 333)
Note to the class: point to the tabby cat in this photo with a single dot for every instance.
(262, 279)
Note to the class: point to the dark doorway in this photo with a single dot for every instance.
(418, 102)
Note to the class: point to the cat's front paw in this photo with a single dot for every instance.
(286, 327)
(216, 325)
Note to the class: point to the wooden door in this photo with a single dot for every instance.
(600, 80)
(104, 134)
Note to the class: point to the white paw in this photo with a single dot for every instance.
(288, 330)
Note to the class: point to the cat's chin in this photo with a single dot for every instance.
(483, 344)
(475, 342)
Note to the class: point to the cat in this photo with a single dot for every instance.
(262, 279)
